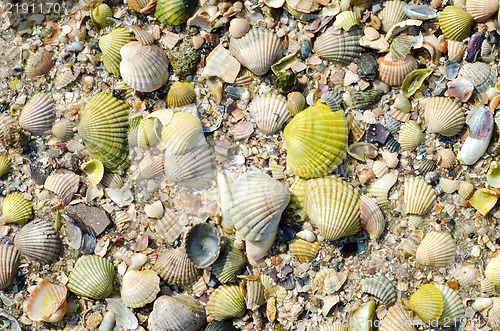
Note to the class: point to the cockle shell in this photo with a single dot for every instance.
(229, 264)
(481, 10)
(449, 185)
(444, 116)
(180, 94)
(110, 46)
(392, 14)
(5, 165)
(151, 166)
(47, 302)
(269, 112)
(175, 267)
(39, 63)
(303, 250)
(100, 15)
(176, 313)
(380, 168)
(466, 275)
(330, 280)
(147, 132)
(226, 302)
(143, 6)
(341, 49)
(479, 74)
(418, 196)
(437, 249)
(92, 277)
(346, 20)
(238, 27)
(494, 314)
(492, 270)
(254, 294)
(144, 68)
(94, 169)
(220, 63)
(372, 219)
(38, 114)
(202, 244)
(446, 158)
(182, 134)
(65, 185)
(381, 187)
(316, 141)
(39, 240)
(456, 50)
(427, 302)
(257, 50)
(410, 135)
(453, 308)
(397, 319)
(455, 23)
(393, 72)
(332, 99)
(466, 189)
(63, 130)
(16, 209)
(381, 288)
(175, 12)
(139, 288)
(10, 259)
(296, 102)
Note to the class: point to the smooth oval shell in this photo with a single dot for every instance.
(303, 250)
(92, 277)
(65, 185)
(63, 130)
(226, 302)
(110, 46)
(202, 244)
(176, 313)
(481, 10)
(492, 270)
(381, 288)
(453, 308)
(39, 241)
(16, 209)
(393, 72)
(10, 259)
(437, 249)
(410, 135)
(174, 13)
(341, 49)
(392, 14)
(38, 114)
(372, 219)
(269, 112)
(419, 196)
(139, 288)
(47, 302)
(397, 319)
(180, 94)
(455, 23)
(427, 303)
(230, 263)
(175, 267)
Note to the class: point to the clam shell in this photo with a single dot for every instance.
(230, 263)
(393, 72)
(110, 46)
(10, 259)
(47, 302)
(220, 326)
(437, 249)
(427, 302)
(176, 313)
(466, 189)
(16, 209)
(446, 158)
(380, 189)
(112, 180)
(5, 165)
(139, 288)
(175, 12)
(63, 130)
(169, 227)
(238, 27)
(220, 63)
(453, 308)
(100, 15)
(346, 20)
(150, 167)
(316, 141)
(392, 14)
(182, 134)
(410, 135)
(147, 132)
(381, 288)
(449, 185)
(467, 275)
(455, 23)
(332, 205)
(480, 74)
(38, 240)
(414, 80)
(270, 112)
(481, 10)
(65, 185)
(456, 50)
(444, 116)
(296, 102)
(226, 302)
(397, 319)
(257, 50)
(94, 169)
(38, 114)
(372, 219)
(203, 245)
(341, 49)
(144, 68)
(180, 94)
(92, 277)
(418, 196)
(492, 270)
(103, 128)
(303, 250)
(175, 267)
(39, 64)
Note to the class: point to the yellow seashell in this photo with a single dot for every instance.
(92, 277)
(303, 250)
(226, 302)
(372, 219)
(94, 169)
(418, 196)
(494, 314)
(65, 185)
(175, 267)
(453, 308)
(100, 15)
(110, 46)
(147, 132)
(437, 249)
(427, 302)
(493, 175)
(392, 14)
(5, 165)
(10, 259)
(397, 319)
(346, 20)
(492, 270)
(466, 189)
(270, 112)
(481, 10)
(63, 130)
(139, 288)
(180, 94)
(455, 23)
(484, 200)
(381, 187)
(341, 49)
(182, 134)
(393, 72)
(38, 114)
(16, 209)
(47, 302)
(444, 116)
(410, 135)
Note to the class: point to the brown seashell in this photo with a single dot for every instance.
(169, 227)
(38, 114)
(143, 6)
(142, 35)
(39, 64)
(446, 158)
(39, 241)
(372, 219)
(393, 72)
(10, 259)
(64, 185)
(175, 267)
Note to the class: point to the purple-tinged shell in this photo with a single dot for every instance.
(474, 47)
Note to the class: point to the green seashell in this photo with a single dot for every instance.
(455, 23)
(94, 169)
(414, 80)
(180, 94)
(100, 15)
(134, 130)
(427, 302)
(226, 302)
(5, 165)
(316, 141)
(366, 99)
(346, 20)
(16, 209)
(174, 12)
(103, 128)
(63, 130)
(229, 264)
(92, 277)
(110, 46)
(453, 308)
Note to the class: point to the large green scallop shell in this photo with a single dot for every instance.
(455, 23)
(110, 46)
(174, 12)
(16, 209)
(92, 277)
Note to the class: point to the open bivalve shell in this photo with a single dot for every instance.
(92, 277)
(269, 112)
(437, 249)
(38, 114)
(47, 302)
(10, 259)
(202, 244)
(38, 240)
(139, 288)
(176, 313)
(226, 302)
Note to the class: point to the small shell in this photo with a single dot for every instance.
(346, 20)
(492, 270)
(363, 318)
(303, 250)
(372, 219)
(151, 167)
(229, 264)
(143, 6)
(467, 275)
(494, 314)
(226, 302)
(180, 94)
(94, 169)
(10, 259)
(154, 210)
(455, 23)
(168, 228)
(100, 15)
(64, 185)
(444, 116)
(381, 288)
(481, 10)
(446, 158)
(65, 77)
(392, 14)
(427, 302)
(332, 99)
(410, 135)
(38, 114)
(393, 72)
(39, 240)
(341, 49)
(202, 244)
(420, 12)
(270, 112)
(380, 189)
(220, 326)
(238, 27)
(466, 189)
(144, 68)
(182, 134)
(174, 13)
(397, 319)
(175, 267)
(456, 50)
(142, 35)
(39, 64)
(330, 280)
(47, 302)
(147, 132)
(110, 46)
(63, 130)
(220, 63)
(418, 196)
(437, 249)
(493, 175)
(5, 165)
(295, 102)
(92, 277)
(479, 74)
(112, 180)
(176, 313)
(380, 168)
(414, 80)
(139, 288)
(449, 185)
(453, 308)
(255, 294)
(16, 209)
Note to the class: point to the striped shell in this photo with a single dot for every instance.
(202, 244)
(410, 135)
(397, 319)
(63, 130)
(39, 64)
(139, 288)
(39, 240)
(381, 288)
(92, 277)
(151, 167)
(226, 302)
(229, 264)
(338, 325)
(144, 68)
(456, 50)
(64, 185)
(372, 219)
(380, 189)
(449, 185)
(143, 6)
(494, 314)
(104, 128)
(480, 74)
(316, 141)
(180, 94)
(296, 102)
(303, 250)
(5, 165)
(257, 50)
(175, 267)
(346, 20)
(453, 308)
(393, 72)
(38, 114)
(446, 158)
(444, 116)
(254, 294)
(147, 132)
(419, 196)
(16, 209)
(269, 112)
(10, 259)
(182, 134)
(455, 23)
(174, 13)
(176, 313)
(481, 10)
(437, 249)
(427, 302)
(466, 189)
(492, 270)
(47, 302)
(168, 227)
(392, 14)
(110, 46)
(341, 49)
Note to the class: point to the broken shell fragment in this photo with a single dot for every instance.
(10, 259)
(47, 302)
(5, 165)
(220, 63)
(437, 249)
(484, 200)
(381, 187)
(493, 175)
(397, 319)
(381, 288)
(94, 169)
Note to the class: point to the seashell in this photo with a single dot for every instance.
(332, 99)
(47, 302)
(220, 63)
(144, 68)
(112, 180)
(175, 267)
(39, 64)
(341, 49)
(238, 27)
(425, 166)
(39, 241)
(5, 165)
(110, 46)
(362, 151)
(94, 169)
(174, 13)
(143, 6)
(456, 50)
(466, 275)
(346, 20)
(330, 280)
(367, 65)
(180, 94)
(479, 74)
(363, 318)
(493, 175)
(480, 121)
(381, 288)
(401, 46)
(303, 250)
(150, 167)
(270, 112)
(372, 219)
(182, 134)
(446, 158)
(142, 35)
(176, 313)
(16, 209)
(154, 210)
(147, 132)
(455, 23)
(427, 302)
(295, 102)
(226, 302)
(437, 249)
(332, 205)
(418, 196)
(494, 314)
(124, 317)
(65, 77)
(63, 130)
(220, 326)
(410, 135)
(357, 128)
(466, 189)
(481, 10)
(229, 264)
(449, 185)
(255, 294)
(393, 72)
(100, 14)
(78, 236)
(92, 277)
(38, 114)
(399, 115)
(366, 99)
(397, 319)
(65, 185)
(391, 14)
(202, 245)
(103, 128)
(453, 308)
(310, 157)
(380, 168)
(257, 50)
(414, 80)
(139, 288)
(333, 326)
(10, 259)
(420, 12)
(492, 270)
(380, 189)
(402, 103)
(484, 200)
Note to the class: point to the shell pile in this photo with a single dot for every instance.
(191, 165)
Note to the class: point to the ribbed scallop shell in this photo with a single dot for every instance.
(296, 102)
(466, 189)
(270, 112)
(139, 288)
(92, 277)
(39, 63)
(480, 74)
(38, 114)
(180, 94)
(494, 314)
(381, 288)
(492, 271)
(150, 167)
(104, 128)
(427, 303)
(449, 185)
(393, 72)
(220, 326)
(444, 116)
(229, 264)
(176, 313)
(410, 135)
(332, 205)
(303, 250)
(168, 228)
(456, 50)
(182, 134)
(481, 10)
(392, 14)
(5, 165)
(174, 12)
(257, 50)
(142, 35)
(467, 275)
(175, 267)
(316, 141)
(110, 46)
(397, 319)
(238, 27)
(455, 23)
(39, 240)
(372, 219)
(47, 302)
(16, 209)
(346, 20)
(380, 189)
(338, 325)
(112, 180)
(437, 249)
(341, 49)
(64, 185)
(332, 99)
(202, 244)
(446, 158)
(10, 259)
(380, 168)
(453, 309)
(226, 302)
(146, 130)
(63, 130)
(418, 196)
(143, 6)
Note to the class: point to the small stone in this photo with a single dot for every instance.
(92, 217)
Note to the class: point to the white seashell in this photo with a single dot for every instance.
(437, 249)
(220, 63)
(124, 317)
(269, 112)
(150, 167)
(38, 114)
(453, 309)
(418, 196)
(372, 219)
(380, 168)
(154, 210)
(481, 124)
(466, 275)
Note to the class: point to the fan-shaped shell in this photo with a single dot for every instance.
(481, 10)
(110, 46)
(63, 130)
(446, 158)
(103, 128)
(466, 189)
(176, 313)
(226, 302)
(143, 6)
(410, 135)
(444, 116)
(456, 50)
(380, 189)
(182, 134)
(381, 288)
(397, 319)
(392, 14)
(257, 50)
(100, 15)
(38, 114)
(47, 302)
(341, 49)
(64, 185)
(494, 314)
(303, 250)
(16, 209)
(455, 23)
(437, 249)
(202, 244)
(427, 303)
(147, 132)
(5, 165)
(10, 259)
(393, 72)
(492, 271)
(316, 141)
(449, 185)
(480, 74)
(180, 94)
(238, 27)
(220, 63)
(150, 167)
(467, 275)
(39, 63)
(220, 326)
(175, 267)
(168, 228)
(139, 288)
(372, 219)
(39, 241)
(296, 102)
(380, 168)
(453, 308)
(254, 294)
(174, 12)
(269, 112)
(92, 277)
(229, 264)
(418, 196)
